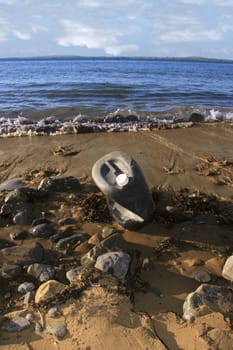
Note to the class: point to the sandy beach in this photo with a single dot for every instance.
(190, 173)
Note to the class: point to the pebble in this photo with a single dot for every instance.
(23, 255)
(227, 271)
(202, 276)
(116, 263)
(147, 264)
(57, 328)
(26, 287)
(30, 317)
(17, 324)
(48, 289)
(40, 221)
(73, 274)
(53, 312)
(11, 184)
(113, 242)
(107, 231)
(66, 221)
(215, 298)
(43, 231)
(18, 235)
(70, 241)
(41, 272)
(10, 271)
(60, 184)
(22, 218)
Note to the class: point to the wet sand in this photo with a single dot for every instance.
(185, 168)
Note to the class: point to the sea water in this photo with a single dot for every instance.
(67, 87)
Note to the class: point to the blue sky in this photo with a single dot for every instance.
(116, 28)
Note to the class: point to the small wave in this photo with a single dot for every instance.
(119, 120)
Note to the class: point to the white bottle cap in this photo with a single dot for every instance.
(122, 180)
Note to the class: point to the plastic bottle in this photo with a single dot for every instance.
(129, 199)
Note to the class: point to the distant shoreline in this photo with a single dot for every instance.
(120, 58)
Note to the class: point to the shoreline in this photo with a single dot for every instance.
(190, 173)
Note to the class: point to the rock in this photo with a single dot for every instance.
(64, 243)
(23, 255)
(227, 271)
(26, 287)
(60, 184)
(66, 221)
(10, 271)
(41, 272)
(95, 239)
(196, 117)
(10, 185)
(22, 218)
(53, 312)
(18, 235)
(72, 275)
(114, 242)
(215, 265)
(48, 289)
(40, 221)
(29, 298)
(62, 234)
(202, 276)
(43, 231)
(17, 324)
(205, 219)
(147, 264)
(116, 263)
(207, 298)
(30, 317)
(107, 231)
(57, 328)
(4, 243)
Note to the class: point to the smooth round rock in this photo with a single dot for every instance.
(17, 324)
(26, 287)
(116, 263)
(18, 235)
(57, 328)
(48, 289)
(43, 231)
(22, 218)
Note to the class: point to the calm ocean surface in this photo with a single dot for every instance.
(99, 86)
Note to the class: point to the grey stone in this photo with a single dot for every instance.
(43, 231)
(40, 221)
(23, 255)
(72, 274)
(205, 219)
(60, 184)
(22, 218)
(71, 240)
(42, 272)
(207, 298)
(66, 221)
(18, 235)
(53, 312)
(26, 287)
(11, 184)
(227, 271)
(114, 242)
(116, 263)
(107, 231)
(57, 328)
(17, 324)
(147, 264)
(30, 317)
(202, 276)
(10, 271)
(29, 298)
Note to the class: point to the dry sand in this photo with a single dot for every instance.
(198, 159)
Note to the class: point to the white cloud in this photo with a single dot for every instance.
(208, 2)
(38, 27)
(21, 35)
(95, 38)
(190, 36)
(7, 2)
